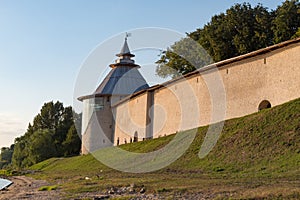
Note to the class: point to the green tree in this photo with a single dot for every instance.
(54, 117)
(41, 146)
(20, 155)
(50, 116)
(183, 57)
(6, 153)
(297, 34)
(241, 29)
(50, 135)
(287, 21)
(6, 156)
(72, 144)
(65, 123)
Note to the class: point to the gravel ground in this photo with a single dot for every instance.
(27, 188)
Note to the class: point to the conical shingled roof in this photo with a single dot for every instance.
(122, 81)
(124, 78)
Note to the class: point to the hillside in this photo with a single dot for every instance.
(257, 156)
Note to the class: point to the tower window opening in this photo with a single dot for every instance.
(98, 103)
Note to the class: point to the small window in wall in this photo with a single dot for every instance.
(264, 105)
(108, 99)
(98, 104)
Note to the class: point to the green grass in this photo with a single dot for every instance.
(48, 188)
(4, 172)
(257, 156)
(8, 172)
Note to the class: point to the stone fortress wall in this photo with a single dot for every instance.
(267, 77)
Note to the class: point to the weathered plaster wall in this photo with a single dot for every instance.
(272, 76)
(99, 129)
(131, 119)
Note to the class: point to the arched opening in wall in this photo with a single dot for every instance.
(135, 138)
(264, 105)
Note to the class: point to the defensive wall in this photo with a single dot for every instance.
(254, 81)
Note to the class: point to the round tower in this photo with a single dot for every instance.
(97, 116)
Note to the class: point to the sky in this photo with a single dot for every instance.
(44, 45)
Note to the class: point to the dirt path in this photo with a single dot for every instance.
(27, 188)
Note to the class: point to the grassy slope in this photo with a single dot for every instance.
(256, 156)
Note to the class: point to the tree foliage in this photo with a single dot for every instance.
(6, 156)
(287, 21)
(52, 134)
(42, 146)
(240, 30)
(72, 144)
(187, 56)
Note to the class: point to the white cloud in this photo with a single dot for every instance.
(11, 126)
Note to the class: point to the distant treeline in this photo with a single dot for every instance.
(6, 156)
(240, 30)
(52, 134)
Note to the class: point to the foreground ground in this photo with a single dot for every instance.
(27, 188)
(192, 186)
(256, 157)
